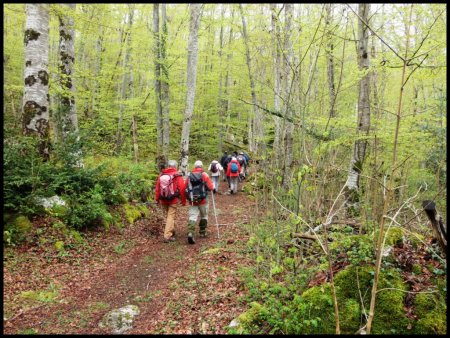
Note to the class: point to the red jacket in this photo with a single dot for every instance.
(178, 182)
(206, 179)
(229, 173)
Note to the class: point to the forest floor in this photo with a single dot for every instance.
(179, 288)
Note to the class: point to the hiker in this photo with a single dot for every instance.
(243, 163)
(168, 191)
(223, 163)
(197, 186)
(225, 167)
(215, 168)
(233, 171)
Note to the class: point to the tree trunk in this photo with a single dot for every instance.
(36, 94)
(127, 80)
(194, 23)
(330, 60)
(276, 57)
(254, 122)
(135, 140)
(164, 85)
(157, 57)
(363, 124)
(288, 140)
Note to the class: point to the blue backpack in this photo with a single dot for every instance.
(234, 167)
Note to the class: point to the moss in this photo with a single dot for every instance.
(389, 314)
(318, 303)
(131, 213)
(394, 236)
(20, 228)
(76, 236)
(250, 320)
(430, 310)
(59, 211)
(59, 245)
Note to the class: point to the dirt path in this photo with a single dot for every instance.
(178, 287)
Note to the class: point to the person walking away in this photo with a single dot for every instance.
(243, 163)
(223, 163)
(215, 169)
(170, 190)
(233, 173)
(197, 185)
(225, 167)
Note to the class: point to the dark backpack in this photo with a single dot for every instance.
(234, 167)
(195, 190)
(168, 189)
(214, 168)
(241, 160)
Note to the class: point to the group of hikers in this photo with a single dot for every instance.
(171, 189)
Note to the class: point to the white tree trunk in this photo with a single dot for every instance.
(36, 95)
(287, 172)
(363, 123)
(194, 24)
(69, 120)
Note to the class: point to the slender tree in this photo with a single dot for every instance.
(287, 67)
(363, 123)
(165, 113)
(194, 24)
(127, 78)
(36, 96)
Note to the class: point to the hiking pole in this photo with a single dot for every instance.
(215, 215)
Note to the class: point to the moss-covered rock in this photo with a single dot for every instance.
(19, 228)
(389, 314)
(431, 310)
(394, 236)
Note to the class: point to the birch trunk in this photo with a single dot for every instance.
(228, 78)
(67, 114)
(69, 121)
(194, 23)
(36, 94)
(287, 172)
(363, 123)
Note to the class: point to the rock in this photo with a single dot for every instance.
(50, 202)
(234, 323)
(120, 320)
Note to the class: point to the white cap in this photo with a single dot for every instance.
(198, 164)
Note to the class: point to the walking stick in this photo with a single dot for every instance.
(215, 215)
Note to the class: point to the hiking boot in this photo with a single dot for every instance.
(191, 238)
(203, 235)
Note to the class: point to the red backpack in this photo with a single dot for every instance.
(168, 189)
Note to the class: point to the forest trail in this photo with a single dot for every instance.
(178, 287)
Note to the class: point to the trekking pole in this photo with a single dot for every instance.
(215, 215)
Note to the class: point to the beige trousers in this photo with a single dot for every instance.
(170, 210)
